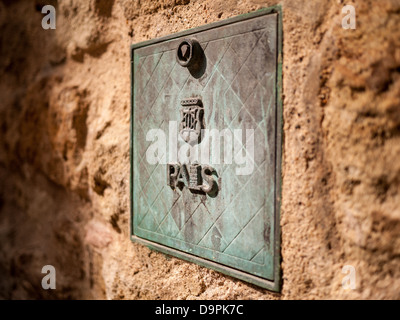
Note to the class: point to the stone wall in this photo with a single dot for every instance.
(64, 151)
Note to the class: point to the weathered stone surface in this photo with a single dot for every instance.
(64, 151)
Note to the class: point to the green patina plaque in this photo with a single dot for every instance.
(206, 134)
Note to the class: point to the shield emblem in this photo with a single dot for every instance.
(191, 120)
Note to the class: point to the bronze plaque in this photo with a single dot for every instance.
(206, 145)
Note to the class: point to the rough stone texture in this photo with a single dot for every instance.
(64, 151)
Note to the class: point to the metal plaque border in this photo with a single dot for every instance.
(273, 285)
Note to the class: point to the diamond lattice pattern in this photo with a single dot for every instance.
(238, 91)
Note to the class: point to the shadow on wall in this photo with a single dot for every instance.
(44, 185)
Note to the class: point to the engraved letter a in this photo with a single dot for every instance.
(49, 21)
(49, 280)
(349, 20)
(349, 281)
